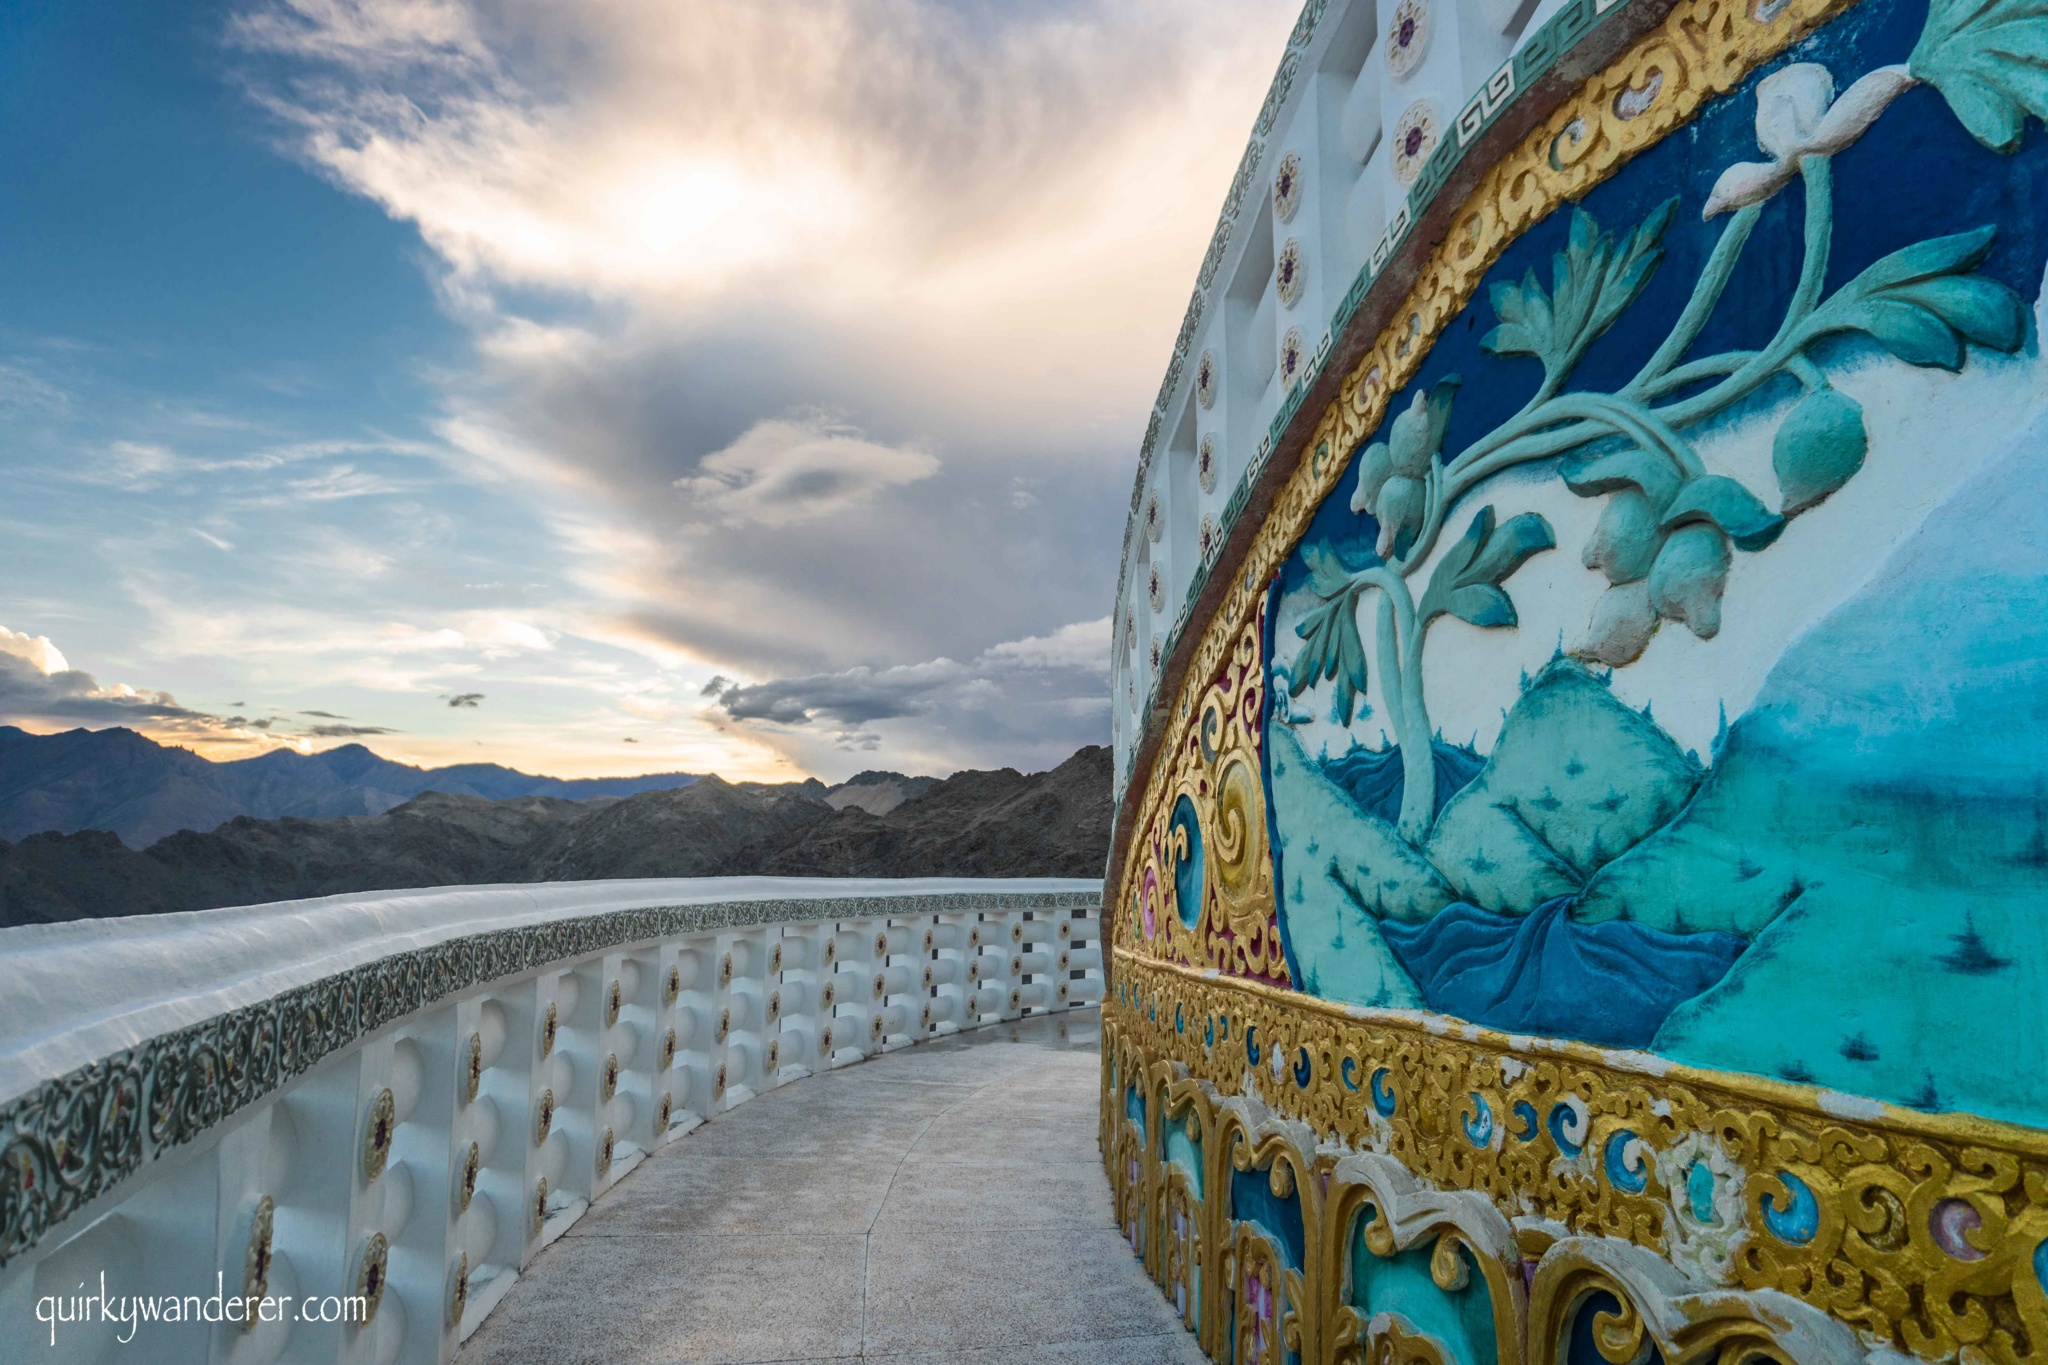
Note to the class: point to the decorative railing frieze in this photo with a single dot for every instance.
(418, 1124)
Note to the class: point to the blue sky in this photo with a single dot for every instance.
(703, 385)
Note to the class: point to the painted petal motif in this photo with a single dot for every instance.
(1746, 183)
(1789, 107)
(1858, 108)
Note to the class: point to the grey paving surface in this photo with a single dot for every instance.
(942, 1204)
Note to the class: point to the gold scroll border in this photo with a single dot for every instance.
(1891, 1282)
(1702, 49)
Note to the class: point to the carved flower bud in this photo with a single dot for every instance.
(1373, 471)
(1625, 542)
(1400, 513)
(1687, 579)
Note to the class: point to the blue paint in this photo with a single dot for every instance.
(1348, 1073)
(1479, 1125)
(1581, 1349)
(1209, 1033)
(1613, 983)
(1373, 776)
(1251, 1044)
(1179, 1024)
(1382, 1097)
(1531, 1124)
(2041, 1266)
(1252, 1201)
(1699, 1192)
(1187, 867)
(1799, 1222)
(1562, 1119)
(1615, 1161)
(1301, 1069)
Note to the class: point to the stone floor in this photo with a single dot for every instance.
(943, 1203)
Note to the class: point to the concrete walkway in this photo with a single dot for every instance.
(943, 1203)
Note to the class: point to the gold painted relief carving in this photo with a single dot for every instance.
(1922, 1233)
(1216, 773)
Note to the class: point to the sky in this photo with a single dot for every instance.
(594, 386)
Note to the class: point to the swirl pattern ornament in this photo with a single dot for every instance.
(1920, 1233)
(1217, 773)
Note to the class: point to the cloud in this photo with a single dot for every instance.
(794, 469)
(323, 715)
(38, 683)
(466, 699)
(1032, 700)
(349, 731)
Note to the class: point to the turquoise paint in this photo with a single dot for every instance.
(1699, 1192)
(1401, 1283)
(1187, 864)
(1799, 1221)
(2041, 1265)
(1134, 1107)
(1186, 1153)
(1852, 886)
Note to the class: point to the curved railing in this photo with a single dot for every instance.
(363, 1115)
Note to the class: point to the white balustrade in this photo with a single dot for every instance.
(405, 1096)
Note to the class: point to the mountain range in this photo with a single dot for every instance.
(879, 824)
(141, 791)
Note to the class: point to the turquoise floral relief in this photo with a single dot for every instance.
(1726, 505)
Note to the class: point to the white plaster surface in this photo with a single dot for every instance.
(942, 1203)
(75, 992)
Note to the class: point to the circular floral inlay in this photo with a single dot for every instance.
(256, 1263)
(544, 1117)
(548, 1028)
(1287, 188)
(472, 1166)
(458, 1292)
(473, 1066)
(1414, 139)
(1408, 37)
(1205, 463)
(1293, 358)
(370, 1275)
(377, 1134)
(1205, 380)
(1289, 273)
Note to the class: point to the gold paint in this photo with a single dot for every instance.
(1874, 1264)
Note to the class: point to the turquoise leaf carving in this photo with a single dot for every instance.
(1593, 281)
(1921, 304)
(1989, 59)
(1466, 582)
(1819, 447)
(1330, 644)
(1718, 499)
(1591, 473)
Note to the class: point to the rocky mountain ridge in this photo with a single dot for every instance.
(141, 791)
(1000, 823)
